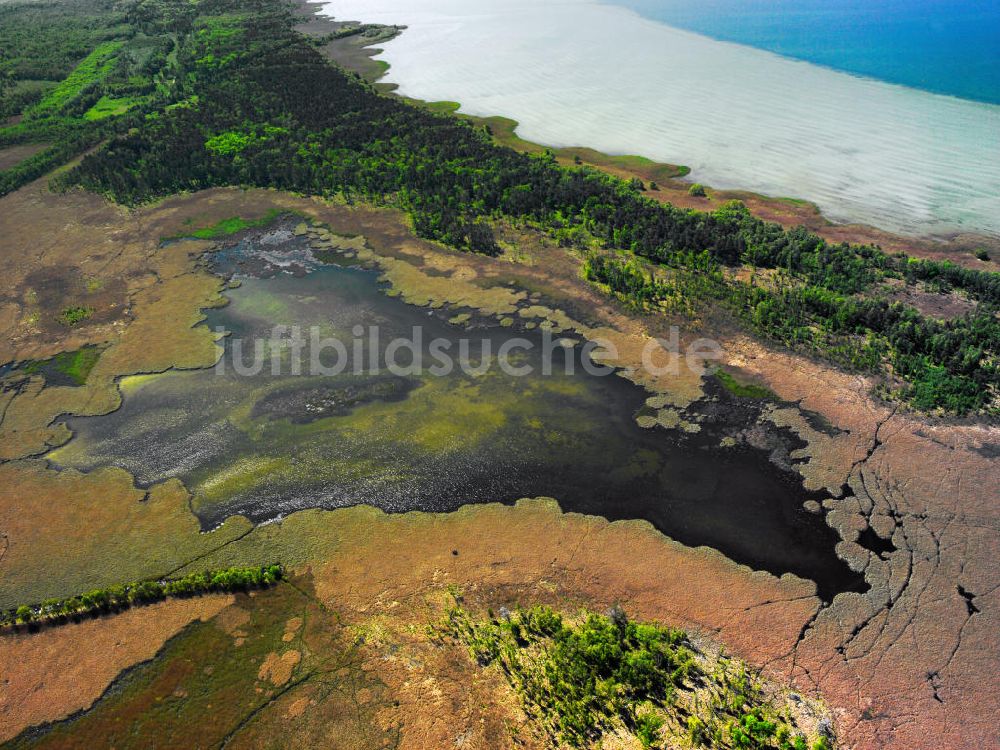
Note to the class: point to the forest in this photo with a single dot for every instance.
(230, 94)
(582, 677)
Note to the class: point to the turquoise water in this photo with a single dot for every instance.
(945, 46)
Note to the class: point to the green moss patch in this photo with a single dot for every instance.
(227, 227)
(743, 390)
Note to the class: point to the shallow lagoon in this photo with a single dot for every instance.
(266, 445)
(579, 72)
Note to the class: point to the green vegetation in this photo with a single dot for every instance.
(743, 390)
(228, 144)
(117, 598)
(228, 227)
(982, 254)
(948, 365)
(75, 366)
(73, 316)
(237, 97)
(44, 41)
(697, 190)
(108, 107)
(91, 69)
(206, 689)
(598, 674)
(76, 73)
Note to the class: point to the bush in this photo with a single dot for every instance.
(697, 190)
(647, 729)
(73, 316)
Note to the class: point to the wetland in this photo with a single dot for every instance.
(265, 445)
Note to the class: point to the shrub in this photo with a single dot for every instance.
(73, 316)
(697, 190)
(647, 729)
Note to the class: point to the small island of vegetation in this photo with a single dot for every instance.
(595, 675)
(123, 596)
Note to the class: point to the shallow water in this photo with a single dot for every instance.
(265, 445)
(577, 72)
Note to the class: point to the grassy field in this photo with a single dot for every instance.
(109, 107)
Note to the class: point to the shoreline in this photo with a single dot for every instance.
(673, 180)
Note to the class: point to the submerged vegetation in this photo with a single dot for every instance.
(123, 596)
(594, 675)
(230, 94)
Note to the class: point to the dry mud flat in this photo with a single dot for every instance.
(913, 657)
(910, 664)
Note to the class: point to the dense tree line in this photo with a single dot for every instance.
(123, 596)
(945, 364)
(307, 125)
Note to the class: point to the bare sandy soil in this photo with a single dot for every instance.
(14, 155)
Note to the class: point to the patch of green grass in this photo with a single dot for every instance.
(73, 316)
(743, 390)
(93, 67)
(228, 227)
(795, 201)
(108, 107)
(443, 107)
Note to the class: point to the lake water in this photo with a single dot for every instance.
(578, 72)
(266, 445)
(945, 46)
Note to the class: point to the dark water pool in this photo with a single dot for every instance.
(265, 445)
